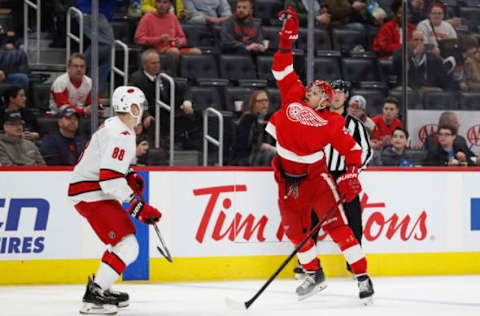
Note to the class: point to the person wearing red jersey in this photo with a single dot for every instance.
(303, 127)
(386, 123)
(102, 179)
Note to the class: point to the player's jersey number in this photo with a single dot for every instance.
(118, 153)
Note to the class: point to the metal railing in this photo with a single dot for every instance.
(70, 35)
(171, 108)
(37, 8)
(207, 138)
(114, 69)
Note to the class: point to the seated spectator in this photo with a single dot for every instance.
(398, 152)
(162, 31)
(208, 11)
(16, 101)
(15, 150)
(63, 147)
(386, 122)
(446, 152)
(142, 145)
(426, 71)
(357, 107)
(388, 38)
(240, 33)
(434, 28)
(471, 55)
(253, 146)
(13, 62)
(322, 17)
(73, 89)
(187, 120)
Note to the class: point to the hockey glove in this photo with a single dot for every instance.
(135, 182)
(289, 32)
(145, 213)
(348, 183)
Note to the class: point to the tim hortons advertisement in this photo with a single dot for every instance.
(423, 123)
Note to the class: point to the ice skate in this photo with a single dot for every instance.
(121, 298)
(96, 302)
(314, 282)
(365, 288)
(298, 272)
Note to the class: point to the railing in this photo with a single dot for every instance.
(70, 35)
(171, 108)
(114, 69)
(37, 8)
(207, 138)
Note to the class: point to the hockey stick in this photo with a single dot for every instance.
(234, 304)
(164, 252)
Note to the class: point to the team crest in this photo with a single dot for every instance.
(304, 115)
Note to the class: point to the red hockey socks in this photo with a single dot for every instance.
(351, 249)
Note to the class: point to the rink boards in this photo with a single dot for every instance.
(223, 224)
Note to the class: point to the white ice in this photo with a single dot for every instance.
(406, 296)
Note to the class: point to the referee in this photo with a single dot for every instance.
(336, 162)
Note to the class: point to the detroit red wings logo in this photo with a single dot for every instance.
(305, 115)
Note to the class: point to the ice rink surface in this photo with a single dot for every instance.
(406, 296)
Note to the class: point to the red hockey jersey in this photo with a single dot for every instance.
(300, 131)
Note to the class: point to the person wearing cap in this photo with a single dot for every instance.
(357, 107)
(15, 150)
(63, 147)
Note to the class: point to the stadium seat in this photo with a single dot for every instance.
(439, 100)
(270, 33)
(469, 101)
(47, 125)
(326, 68)
(374, 99)
(200, 36)
(470, 16)
(275, 99)
(264, 69)
(204, 97)
(321, 39)
(236, 67)
(414, 99)
(122, 31)
(198, 67)
(41, 96)
(386, 71)
(233, 94)
(360, 69)
(167, 65)
(267, 11)
(345, 40)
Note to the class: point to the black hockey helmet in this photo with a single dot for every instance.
(342, 85)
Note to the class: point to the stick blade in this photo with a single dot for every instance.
(235, 305)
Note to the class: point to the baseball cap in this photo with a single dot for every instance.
(12, 116)
(67, 112)
(358, 102)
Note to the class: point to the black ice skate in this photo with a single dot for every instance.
(314, 282)
(96, 302)
(365, 288)
(298, 272)
(121, 298)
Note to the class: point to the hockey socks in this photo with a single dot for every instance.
(351, 249)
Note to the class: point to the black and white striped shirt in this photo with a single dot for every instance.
(336, 162)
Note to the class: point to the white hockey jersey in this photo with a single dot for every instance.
(100, 172)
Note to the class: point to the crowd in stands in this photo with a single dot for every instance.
(220, 53)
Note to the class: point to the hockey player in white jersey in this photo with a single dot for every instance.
(101, 180)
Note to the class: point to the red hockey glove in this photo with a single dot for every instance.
(135, 182)
(289, 32)
(348, 183)
(145, 213)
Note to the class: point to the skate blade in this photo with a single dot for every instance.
(319, 288)
(92, 309)
(366, 301)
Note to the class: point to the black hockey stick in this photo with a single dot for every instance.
(245, 305)
(164, 252)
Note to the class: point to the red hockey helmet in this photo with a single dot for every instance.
(327, 89)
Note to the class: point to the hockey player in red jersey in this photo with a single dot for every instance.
(100, 181)
(302, 128)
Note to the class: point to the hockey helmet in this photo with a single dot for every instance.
(124, 97)
(342, 85)
(327, 89)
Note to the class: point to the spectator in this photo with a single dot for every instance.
(208, 11)
(386, 122)
(446, 152)
(63, 147)
(471, 54)
(426, 71)
(106, 37)
(398, 152)
(16, 101)
(240, 33)
(15, 150)
(254, 147)
(73, 89)
(13, 62)
(357, 107)
(322, 17)
(162, 31)
(142, 145)
(388, 38)
(188, 121)
(434, 28)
